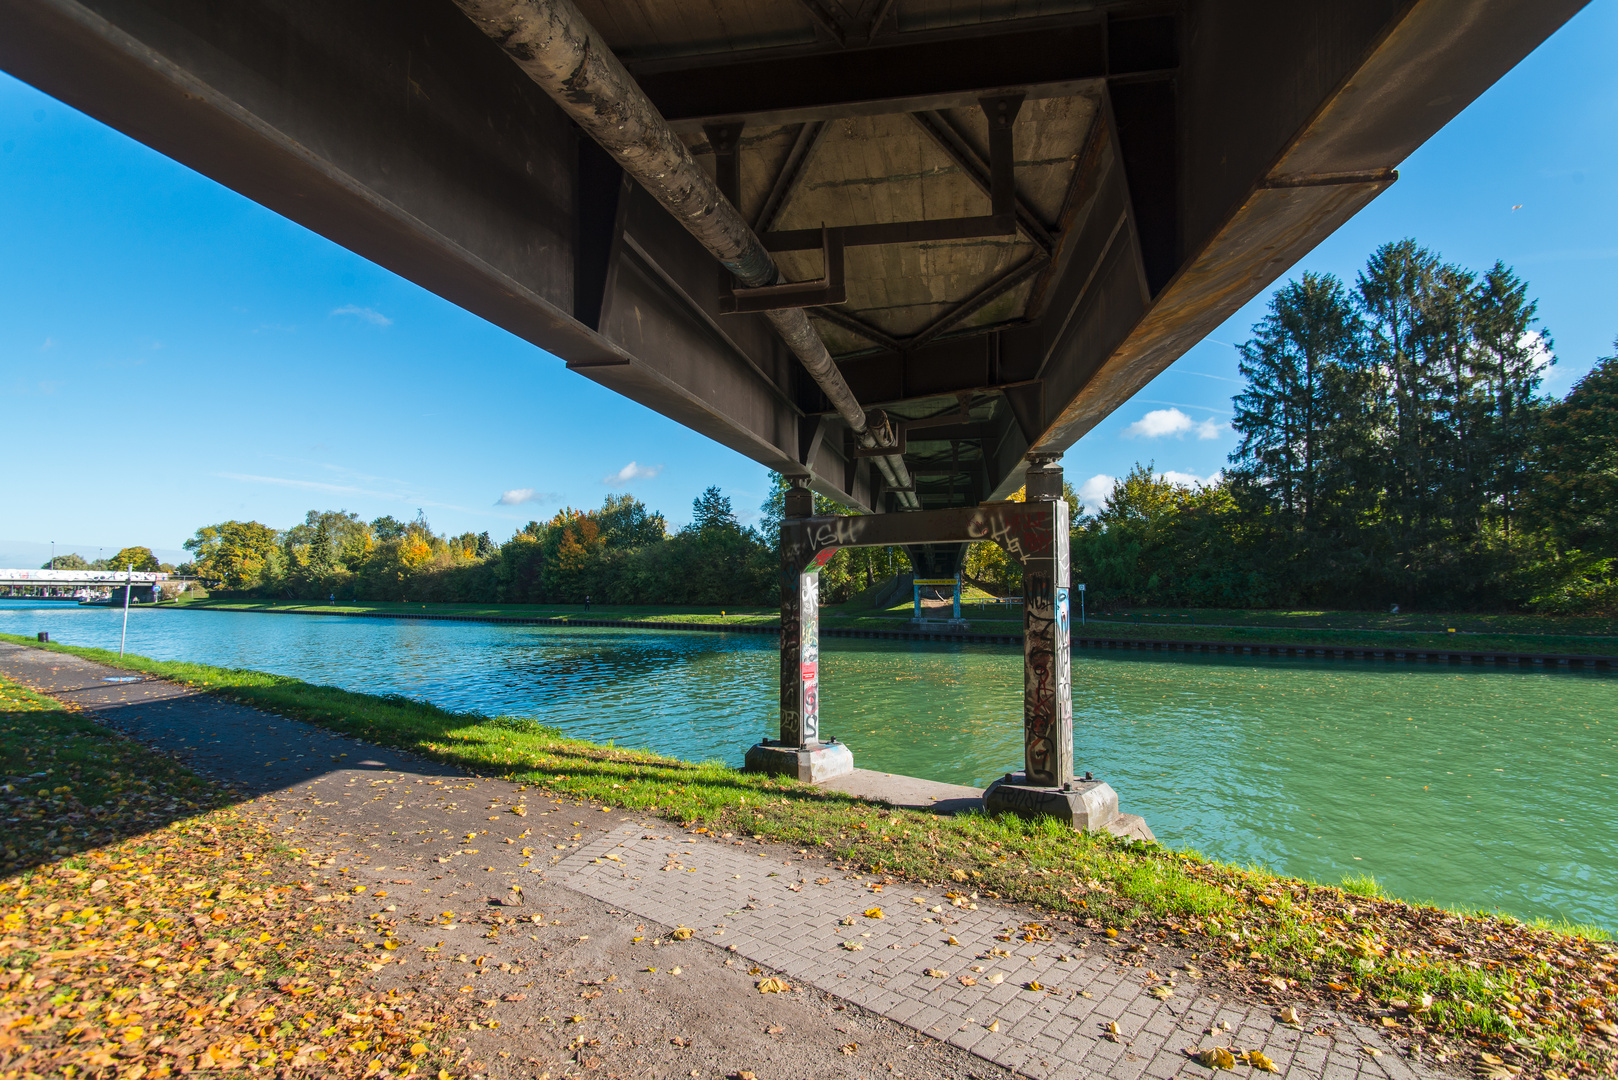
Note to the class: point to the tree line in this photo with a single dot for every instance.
(1394, 449)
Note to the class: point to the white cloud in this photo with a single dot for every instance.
(518, 496)
(1164, 422)
(370, 315)
(631, 472)
(1534, 342)
(1093, 492)
(1191, 479)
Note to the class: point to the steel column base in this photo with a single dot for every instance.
(811, 764)
(1086, 805)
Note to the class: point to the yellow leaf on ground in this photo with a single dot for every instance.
(853, 946)
(937, 974)
(680, 933)
(1258, 1060)
(1288, 1015)
(1215, 1057)
(772, 985)
(874, 913)
(1161, 993)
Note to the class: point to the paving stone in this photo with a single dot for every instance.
(1047, 1037)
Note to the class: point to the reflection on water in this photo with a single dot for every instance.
(1468, 787)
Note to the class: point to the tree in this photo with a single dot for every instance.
(239, 555)
(138, 558)
(388, 527)
(1511, 358)
(712, 510)
(626, 523)
(73, 561)
(1576, 495)
(1298, 369)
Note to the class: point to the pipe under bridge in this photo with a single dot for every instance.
(899, 250)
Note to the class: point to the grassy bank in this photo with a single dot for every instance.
(1342, 630)
(146, 929)
(1535, 998)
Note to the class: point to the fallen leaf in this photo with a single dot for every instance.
(937, 974)
(994, 1025)
(1372, 1051)
(1214, 1057)
(853, 946)
(1258, 1060)
(848, 1048)
(1490, 1059)
(874, 913)
(997, 978)
(1288, 1015)
(1161, 993)
(1032, 984)
(772, 985)
(1113, 1032)
(681, 933)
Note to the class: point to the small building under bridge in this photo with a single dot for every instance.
(905, 252)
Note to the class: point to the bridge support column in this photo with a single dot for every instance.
(800, 752)
(1046, 787)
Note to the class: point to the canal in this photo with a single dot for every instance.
(1467, 787)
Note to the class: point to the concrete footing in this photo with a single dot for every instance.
(1086, 805)
(811, 764)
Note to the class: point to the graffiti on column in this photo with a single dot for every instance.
(791, 648)
(1039, 676)
(800, 645)
(809, 604)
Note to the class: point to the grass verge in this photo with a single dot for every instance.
(147, 930)
(1537, 999)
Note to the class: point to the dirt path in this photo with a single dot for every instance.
(604, 943)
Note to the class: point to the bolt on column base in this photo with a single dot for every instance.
(810, 764)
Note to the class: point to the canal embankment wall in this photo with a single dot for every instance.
(1481, 657)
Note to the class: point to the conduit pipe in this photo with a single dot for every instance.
(556, 46)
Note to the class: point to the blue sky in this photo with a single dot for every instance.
(172, 354)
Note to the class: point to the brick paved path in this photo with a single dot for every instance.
(792, 916)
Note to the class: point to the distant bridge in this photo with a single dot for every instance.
(81, 578)
(142, 583)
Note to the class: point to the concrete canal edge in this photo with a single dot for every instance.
(1487, 657)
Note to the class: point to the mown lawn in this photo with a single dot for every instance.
(1535, 997)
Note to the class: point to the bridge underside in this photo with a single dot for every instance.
(1167, 161)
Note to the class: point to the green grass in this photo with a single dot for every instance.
(1348, 944)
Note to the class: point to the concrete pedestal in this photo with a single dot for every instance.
(1086, 805)
(811, 764)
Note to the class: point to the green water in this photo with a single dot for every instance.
(1469, 787)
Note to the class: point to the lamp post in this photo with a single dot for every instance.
(129, 587)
